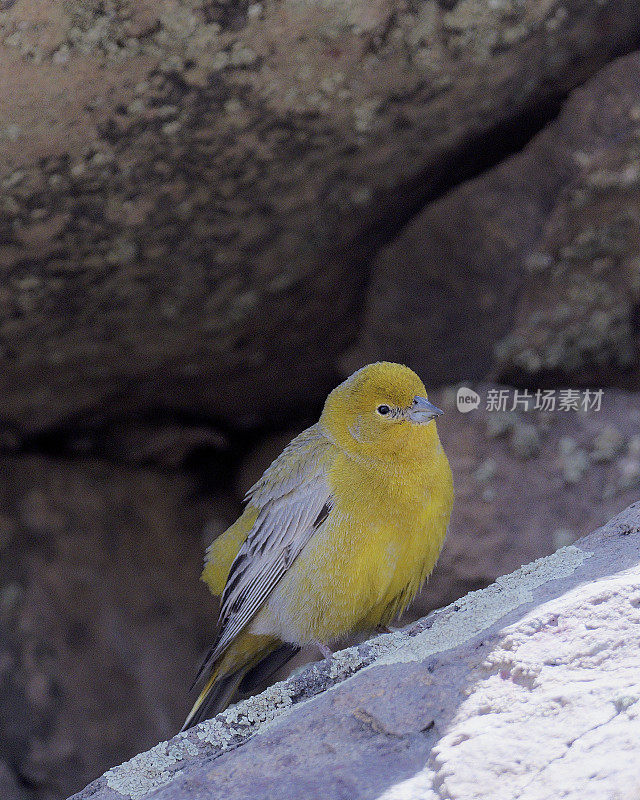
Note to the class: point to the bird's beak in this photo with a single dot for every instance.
(422, 411)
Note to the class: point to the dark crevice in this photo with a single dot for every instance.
(478, 154)
(88, 435)
(213, 467)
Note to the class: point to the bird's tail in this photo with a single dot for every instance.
(254, 661)
(215, 697)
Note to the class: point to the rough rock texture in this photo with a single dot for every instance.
(545, 241)
(526, 689)
(211, 212)
(102, 616)
(9, 786)
(578, 317)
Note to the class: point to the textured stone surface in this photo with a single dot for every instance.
(102, 616)
(179, 236)
(528, 482)
(527, 688)
(10, 788)
(500, 240)
(578, 315)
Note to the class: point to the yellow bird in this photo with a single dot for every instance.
(337, 536)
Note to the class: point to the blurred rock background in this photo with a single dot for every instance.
(210, 213)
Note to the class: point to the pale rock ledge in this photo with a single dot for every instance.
(527, 689)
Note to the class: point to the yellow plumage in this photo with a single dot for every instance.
(337, 536)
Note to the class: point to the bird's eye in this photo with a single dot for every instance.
(383, 410)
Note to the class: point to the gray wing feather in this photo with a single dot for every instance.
(292, 496)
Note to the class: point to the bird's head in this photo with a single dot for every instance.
(381, 411)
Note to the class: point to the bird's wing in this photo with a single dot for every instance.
(293, 499)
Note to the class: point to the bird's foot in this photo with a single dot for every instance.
(326, 651)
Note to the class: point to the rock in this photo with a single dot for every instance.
(577, 319)
(607, 444)
(525, 441)
(457, 704)
(10, 788)
(167, 445)
(185, 263)
(486, 256)
(102, 615)
(506, 510)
